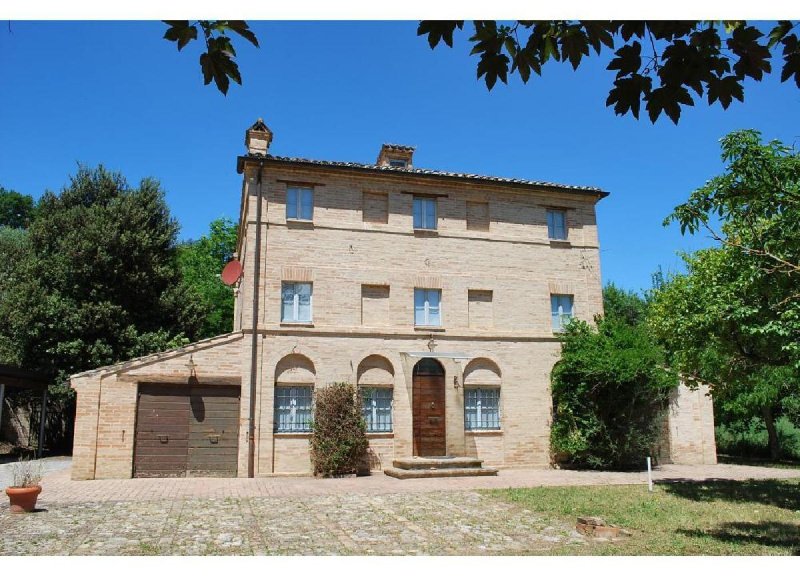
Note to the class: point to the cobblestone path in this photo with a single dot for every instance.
(432, 523)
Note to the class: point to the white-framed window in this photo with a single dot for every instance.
(557, 224)
(482, 408)
(427, 307)
(424, 213)
(299, 203)
(296, 301)
(293, 408)
(398, 163)
(561, 310)
(376, 408)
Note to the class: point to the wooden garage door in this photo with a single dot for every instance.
(186, 431)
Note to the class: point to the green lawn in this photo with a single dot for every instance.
(744, 518)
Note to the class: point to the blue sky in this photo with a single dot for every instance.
(116, 93)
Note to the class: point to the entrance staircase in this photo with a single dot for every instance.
(440, 467)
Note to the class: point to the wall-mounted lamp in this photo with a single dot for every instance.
(455, 382)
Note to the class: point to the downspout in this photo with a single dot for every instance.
(251, 435)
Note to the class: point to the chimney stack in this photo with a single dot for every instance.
(258, 138)
(395, 156)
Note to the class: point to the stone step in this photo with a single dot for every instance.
(403, 474)
(417, 463)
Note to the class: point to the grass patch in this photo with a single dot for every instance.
(757, 517)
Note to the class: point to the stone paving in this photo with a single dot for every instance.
(433, 523)
(375, 515)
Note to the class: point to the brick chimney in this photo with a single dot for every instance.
(396, 156)
(258, 138)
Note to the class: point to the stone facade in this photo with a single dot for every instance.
(490, 258)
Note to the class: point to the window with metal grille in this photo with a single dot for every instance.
(293, 407)
(424, 213)
(561, 310)
(427, 307)
(299, 203)
(377, 409)
(557, 224)
(296, 302)
(482, 408)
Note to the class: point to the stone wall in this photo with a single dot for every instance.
(690, 426)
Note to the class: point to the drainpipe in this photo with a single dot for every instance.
(251, 435)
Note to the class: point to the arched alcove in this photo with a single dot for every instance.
(482, 372)
(295, 369)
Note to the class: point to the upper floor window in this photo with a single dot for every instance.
(398, 163)
(299, 203)
(296, 302)
(424, 213)
(557, 224)
(376, 408)
(561, 310)
(427, 307)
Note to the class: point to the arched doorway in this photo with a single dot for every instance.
(428, 408)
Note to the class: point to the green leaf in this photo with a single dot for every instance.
(180, 31)
(628, 60)
(753, 57)
(628, 93)
(492, 66)
(778, 32)
(668, 99)
(725, 90)
(574, 45)
(438, 30)
(598, 34)
(243, 30)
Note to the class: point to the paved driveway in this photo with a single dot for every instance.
(373, 515)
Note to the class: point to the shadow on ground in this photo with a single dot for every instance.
(782, 494)
(766, 533)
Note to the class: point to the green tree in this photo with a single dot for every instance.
(100, 282)
(201, 262)
(610, 391)
(624, 305)
(16, 210)
(733, 320)
(663, 64)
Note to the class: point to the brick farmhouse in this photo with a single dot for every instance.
(439, 294)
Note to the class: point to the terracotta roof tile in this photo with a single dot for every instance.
(425, 172)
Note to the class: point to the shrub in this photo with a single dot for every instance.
(748, 438)
(338, 439)
(610, 391)
(26, 473)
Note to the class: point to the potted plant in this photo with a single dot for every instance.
(25, 487)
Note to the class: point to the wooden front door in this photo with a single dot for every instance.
(428, 409)
(186, 431)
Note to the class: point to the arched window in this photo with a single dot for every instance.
(482, 395)
(294, 391)
(376, 384)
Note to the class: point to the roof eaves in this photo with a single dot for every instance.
(421, 172)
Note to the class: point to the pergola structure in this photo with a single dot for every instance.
(12, 376)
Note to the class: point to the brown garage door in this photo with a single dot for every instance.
(186, 431)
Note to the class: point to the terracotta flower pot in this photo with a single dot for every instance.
(23, 499)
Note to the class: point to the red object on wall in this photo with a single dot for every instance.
(232, 272)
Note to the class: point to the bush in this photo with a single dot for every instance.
(748, 438)
(610, 392)
(338, 439)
